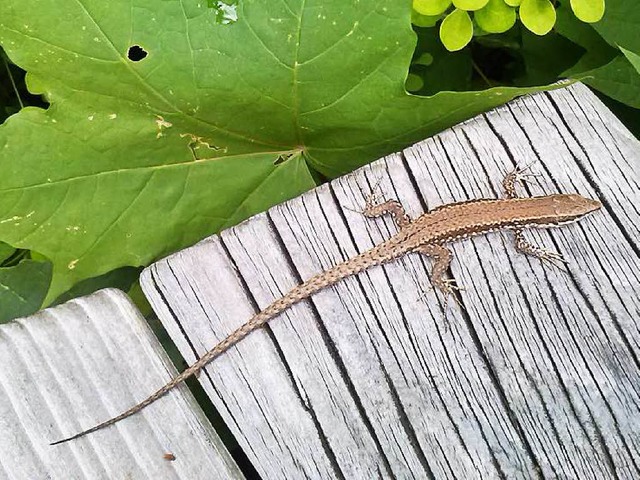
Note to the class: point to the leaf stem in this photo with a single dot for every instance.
(481, 73)
(13, 83)
(15, 258)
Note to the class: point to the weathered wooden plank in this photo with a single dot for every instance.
(537, 374)
(69, 367)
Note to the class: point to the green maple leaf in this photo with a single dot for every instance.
(135, 159)
(610, 46)
(23, 288)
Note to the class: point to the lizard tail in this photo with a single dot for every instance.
(192, 370)
(148, 401)
(372, 257)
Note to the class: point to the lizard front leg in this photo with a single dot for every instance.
(523, 246)
(442, 257)
(518, 175)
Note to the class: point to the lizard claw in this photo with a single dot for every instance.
(553, 258)
(523, 178)
(519, 175)
(370, 200)
(525, 168)
(374, 195)
(449, 286)
(522, 175)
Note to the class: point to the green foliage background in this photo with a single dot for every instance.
(232, 111)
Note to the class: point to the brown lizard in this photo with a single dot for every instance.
(427, 235)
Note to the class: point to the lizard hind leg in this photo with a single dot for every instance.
(375, 206)
(390, 207)
(442, 260)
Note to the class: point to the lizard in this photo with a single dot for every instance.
(428, 234)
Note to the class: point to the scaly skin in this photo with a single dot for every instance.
(428, 234)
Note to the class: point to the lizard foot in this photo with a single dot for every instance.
(553, 258)
(371, 200)
(374, 198)
(449, 287)
(522, 175)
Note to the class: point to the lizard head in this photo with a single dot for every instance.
(569, 207)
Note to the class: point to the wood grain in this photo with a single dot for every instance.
(70, 367)
(535, 374)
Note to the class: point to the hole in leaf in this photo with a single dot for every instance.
(225, 11)
(283, 157)
(136, 53)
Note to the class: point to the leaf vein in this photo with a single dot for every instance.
(151, 88)
(356, 85)
(336, 44)
(117, 218)
(150, 168)
(264, 45)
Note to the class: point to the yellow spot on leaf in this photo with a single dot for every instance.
(196, 143)
(162, 124)
(12, 219)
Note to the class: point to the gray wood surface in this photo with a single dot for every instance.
(536, 374)
(67, 368)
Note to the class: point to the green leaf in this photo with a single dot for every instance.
(456, 30)
(602, 67)
(496, 17)
(138, 297)
(546, 57)
(469, 5)
(424, 20)
(431, 7)
(440, 69)
(23, 288)
(633, 58)
(5, 251)
(513, 3)
(414, 82)
(538, 16)
(425, 59)
(138, 157)
(617, 79)
(598, 51)
(121, 278)
(589, 11)
(619, 26)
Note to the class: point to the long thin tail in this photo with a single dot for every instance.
(298, 293)
(257, 320)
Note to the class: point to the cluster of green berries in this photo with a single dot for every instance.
(496, 16)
